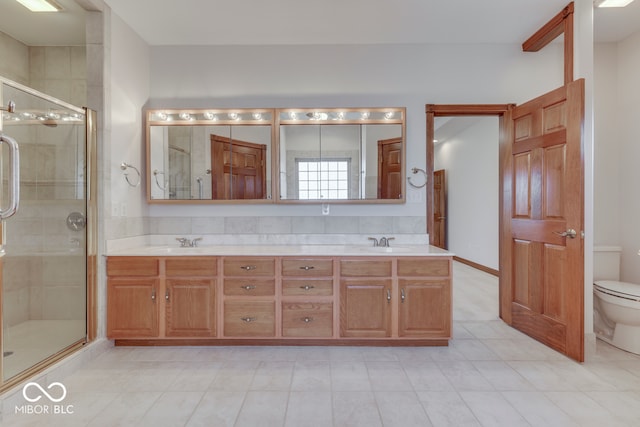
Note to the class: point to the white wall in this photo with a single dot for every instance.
(129, 82)
(628, 109)
(364, 75)
(470, 161)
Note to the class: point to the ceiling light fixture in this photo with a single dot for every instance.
(612, 3)
(41, 5)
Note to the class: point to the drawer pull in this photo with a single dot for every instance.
(248, 319)
(248, 267)
(307, 287)
(307, 267)
(307, 319)
(248, 287)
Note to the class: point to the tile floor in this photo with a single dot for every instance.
(490, 375)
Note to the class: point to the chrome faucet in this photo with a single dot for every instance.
(384, 241)
(186, 243)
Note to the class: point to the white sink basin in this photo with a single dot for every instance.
(171, 250)
(389, 250)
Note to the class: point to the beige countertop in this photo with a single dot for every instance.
(284, 250)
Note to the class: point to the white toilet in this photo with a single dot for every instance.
(616, 305)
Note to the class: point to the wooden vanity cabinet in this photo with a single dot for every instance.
(133, 286)
(307, 298)
(425, 297)
(366, 288)
(190, 297)
(355, 300)
(249, 290)
(150, 297)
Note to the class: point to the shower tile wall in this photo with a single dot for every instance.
(59, 71)
(15, 59)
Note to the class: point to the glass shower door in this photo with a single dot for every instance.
(43, 259)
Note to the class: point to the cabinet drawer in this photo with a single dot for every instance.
(132, 266)
(249, 266)
(365, 268)
(250, 287)
(190, 267)
(315, 287)
(307, 319)
(423, 267)
(307, 267)
(249, 319)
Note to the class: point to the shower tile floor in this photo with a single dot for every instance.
(489, 375)
(27, 343)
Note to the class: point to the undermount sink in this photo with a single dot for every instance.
(390, 249)
(177, 250)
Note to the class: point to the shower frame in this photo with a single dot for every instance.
(91, 249)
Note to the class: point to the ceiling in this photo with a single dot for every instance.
(253, 22)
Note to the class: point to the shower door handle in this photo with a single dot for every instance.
(13, 180)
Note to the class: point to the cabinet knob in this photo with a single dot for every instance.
(248, 319)
(307, 267)
(166, 295)
(307, 319)
(248, 287)
(248, 267)
(388, 295)
(153, 295)
(307, 287)
(402, 295)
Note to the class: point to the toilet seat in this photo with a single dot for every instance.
(629, 291)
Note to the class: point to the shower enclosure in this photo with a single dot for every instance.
(47, 260)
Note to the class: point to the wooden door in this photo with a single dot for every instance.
(390, 168)
(365, 308)
(132, 308)
(237, 169)
(439, 209)
(190, 307)
(542, 251)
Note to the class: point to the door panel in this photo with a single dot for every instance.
(238, 169)
(542, 285)
(390, 173)
(440, 209)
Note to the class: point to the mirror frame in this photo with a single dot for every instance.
(316, 116)
(219, 117)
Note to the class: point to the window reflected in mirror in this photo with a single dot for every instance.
(341, 155)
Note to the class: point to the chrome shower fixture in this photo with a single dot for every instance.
(11, 107)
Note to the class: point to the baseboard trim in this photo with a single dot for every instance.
(477, 266)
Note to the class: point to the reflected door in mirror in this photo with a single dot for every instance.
(237, 169)
(390, 168)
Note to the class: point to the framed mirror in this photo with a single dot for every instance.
(341, 155)
(209, 155)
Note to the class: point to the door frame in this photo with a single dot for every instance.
(456, 110)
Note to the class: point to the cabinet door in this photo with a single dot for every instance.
(190, 308)
(425, 308)
(365, 308)
(132, 308)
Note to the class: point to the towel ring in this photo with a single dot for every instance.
(124, 166)
(415, 171)
(156, 172)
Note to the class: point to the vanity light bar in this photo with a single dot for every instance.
(302, 116)
(204, 116)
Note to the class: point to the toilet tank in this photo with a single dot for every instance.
(606, 262)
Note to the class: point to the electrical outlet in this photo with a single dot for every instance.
(325, 209)
(114, 210)
(123, 209)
